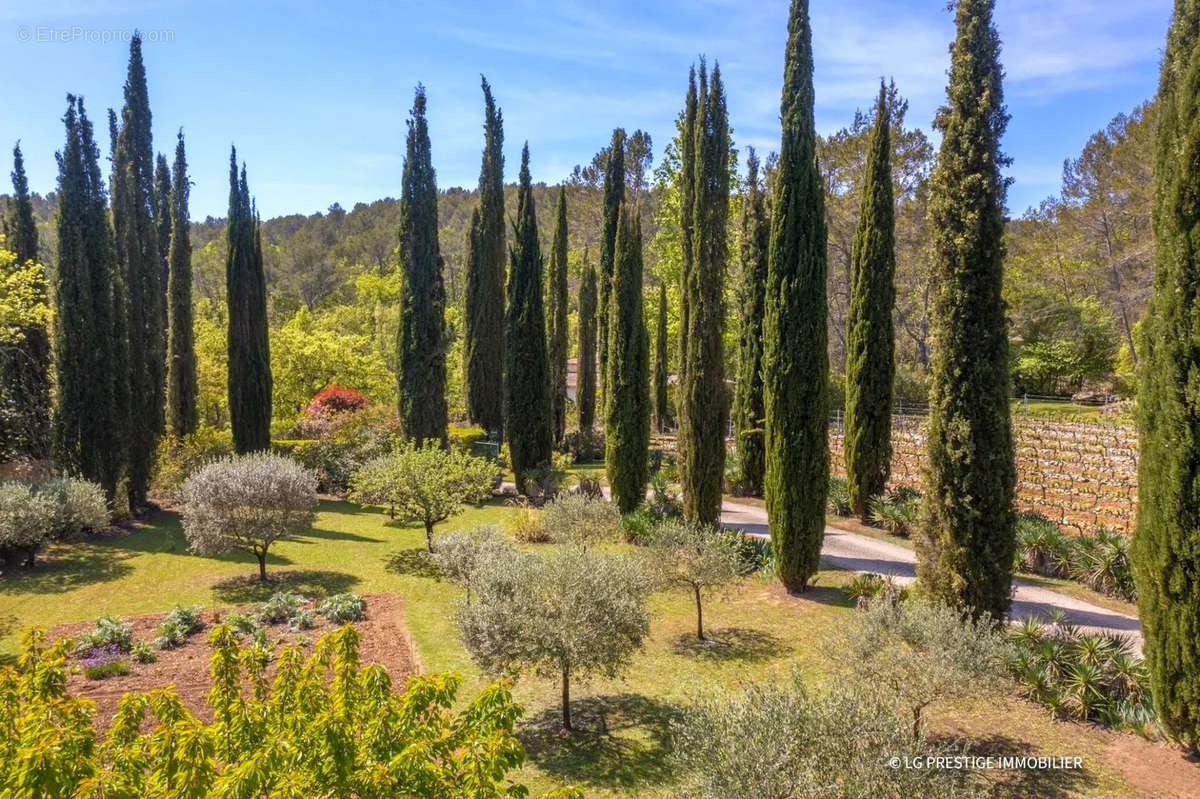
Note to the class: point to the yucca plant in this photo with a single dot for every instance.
(1102, 563)
(894, 515)
(1042, 548)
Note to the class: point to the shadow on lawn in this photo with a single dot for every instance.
(311, 583)
(1060, 783)
(731, 644)
(621, 741)
(66, 567)
(413, 562)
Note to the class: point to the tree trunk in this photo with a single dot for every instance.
(429, 535)
(699, 615)
(262, 566)
(566, 698)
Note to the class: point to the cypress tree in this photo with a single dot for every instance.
(748, 414)
(662, 411)
(687, 205)
(965, 545)
(422, 348)
(25, 365)
(89, 420)
(614, 195)
(556, 318)
(527, 389)
(484, 352)
(182, 385)
(585, 372)
(704, 395)
(869, 350)
(248, 346)
(1166, 559)
(137, 250)
(162, 218)
(627, 387)
(795, 360)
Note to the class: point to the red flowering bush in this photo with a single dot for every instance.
(335, 399)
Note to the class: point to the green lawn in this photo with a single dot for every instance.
(623, 750)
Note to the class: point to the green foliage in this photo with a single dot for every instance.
(870, 366)
(585, 385)
(795, 357)
(465, 438)
(102, 671)
(180, 457)
(79, 506)
(460, 556)
(1064, 344)
(837, 497)
(248, 347)
(578, 519)
(344, 444)
(26, 518)
(662, 407)
(627, 386)
(614, 198)
(705, 404)
(484, 352)
(107, 631)
(183, 389)
(966, 541)
(323, 725)
(870, 586)
(422, 353)
(748, 411)
(178, 626)
(556, 318)
(140, 652)
(697, 557)
(1042, 548)
(280, 607)
(527, 403)
(343, 608)
(1102, 563)
(897, 514)
(425, 483)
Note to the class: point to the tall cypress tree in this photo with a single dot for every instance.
(89, 421)
(24, 366)
(748, 412)
(614, 195)
(627, 387)
(585, 371)
(870, 347)
(162, 219)
(527, 402)
(422, 354)
(182, 385)
(687, 203)
(1166, 558)
(137, 251)
(556, 318)
(704, 394)
(484, 352)
(795, 361)
(662, 410)
(248, 346)
(965, 545)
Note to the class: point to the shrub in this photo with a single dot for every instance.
(141, 653)
(837, 500)
(282, 606)
(895, 515)
(248, 502)
(755, 554)
(585, 446)
(664, 503)
(179, 458)
(242, 623)
(527, 526)
(425, 484)
(916, 653)
(464, 439)
(79, 505)
(323, 726)
(303, 619)
(695, 557)
(638, 526)
(349, 440)
(574, 518)
(570, 615)
(780, 740)
(1041, 546)
(1102, 564)
(342, 608)
(178, 626)
(26, 519)
(460, 556)
(104, 662)
(108, 631)
(333, 400)
(588, 488)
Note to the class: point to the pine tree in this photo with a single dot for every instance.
(182, 385)
(162, 219)
(704, 395)
(24, 366)
(1166, 559)
(556, 318)
(585, 370)
(422, 353)
(795, 361)
(748, 413)
(248, 345)
(870, 348)
(137, 252)
(527, 404)
(662, 410)
(614, 195)
(484, 352)
(89, 421)
(627, 392)
(965, 545)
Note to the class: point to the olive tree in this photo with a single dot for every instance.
(79, 505)
(423, 483)
(247, 503)
(573, 614)
(581, 519)
(460, 555)
(780, 741)
(25, 521)
(915, 652)
(696, 557)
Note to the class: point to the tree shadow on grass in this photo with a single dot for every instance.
(621, 741)
(336, 535)
(825, 595)
(731, 644)
(1017, 783)
(66, 567)
(414, 562)
(311, 583)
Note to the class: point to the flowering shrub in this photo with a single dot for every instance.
(248, 502)
(107, 661)
(336, 449)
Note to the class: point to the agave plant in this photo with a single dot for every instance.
(1041, 546)
(1085, 689)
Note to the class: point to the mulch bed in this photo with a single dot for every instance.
(384, 640)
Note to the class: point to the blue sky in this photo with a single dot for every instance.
(315, 94)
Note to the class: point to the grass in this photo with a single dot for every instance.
(760, 633)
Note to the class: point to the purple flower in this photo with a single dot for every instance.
(102, 655)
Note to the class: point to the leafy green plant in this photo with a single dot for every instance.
(579, 519)
(1102, 563)
(755, 553)
(526, 525)
(342, 608)
(1041, 546)
(102, 671)
(108, 631)
(894, 514)
(697, 558)
(26, 519)
(460, 556)
(140, 652)
(178, 626)
(280, 607)
(838, 499)
(638, 526)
